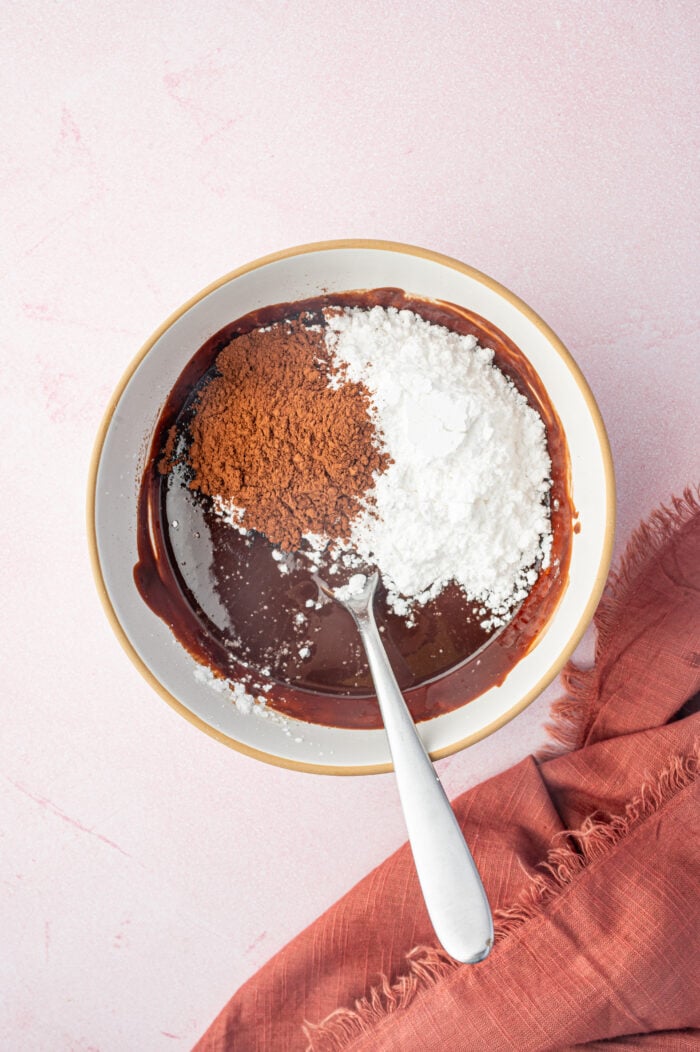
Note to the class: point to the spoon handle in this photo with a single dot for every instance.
(452, 888)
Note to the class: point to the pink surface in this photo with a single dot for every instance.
(146, 870)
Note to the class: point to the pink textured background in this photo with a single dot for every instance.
(146, 870)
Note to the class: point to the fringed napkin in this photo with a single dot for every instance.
(591, 861)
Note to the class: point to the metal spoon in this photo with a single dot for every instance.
(451, 885)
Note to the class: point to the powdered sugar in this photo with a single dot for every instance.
(353, 588)
(465, 497)
(245, 702)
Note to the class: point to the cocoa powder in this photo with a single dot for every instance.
(270, 435)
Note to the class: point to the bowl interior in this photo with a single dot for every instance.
(123, 445)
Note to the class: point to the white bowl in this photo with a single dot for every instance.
(123, 442)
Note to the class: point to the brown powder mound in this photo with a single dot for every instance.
(168, 459)
(270, 436)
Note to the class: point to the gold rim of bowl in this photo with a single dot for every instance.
(606, 553)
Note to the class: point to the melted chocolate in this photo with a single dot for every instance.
(224, 598)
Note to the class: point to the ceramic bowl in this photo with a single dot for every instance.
(123, 442)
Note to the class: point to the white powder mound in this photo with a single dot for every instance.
(243, 701)
(353, 588)
(204, 675)
(464, 499)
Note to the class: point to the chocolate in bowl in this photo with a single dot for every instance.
(226, 602)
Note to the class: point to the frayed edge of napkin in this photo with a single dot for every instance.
(573, 715)
(598, 835)
(425, 966)
(428, 965)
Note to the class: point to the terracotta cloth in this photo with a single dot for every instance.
(598, 930)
